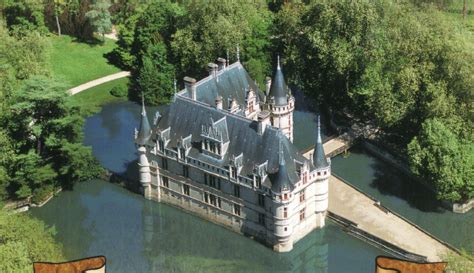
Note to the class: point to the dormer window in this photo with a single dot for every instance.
(233, 172)
(258, 182)
(215, 138)
(182, 153)
(161, 145)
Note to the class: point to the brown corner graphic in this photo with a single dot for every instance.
(392, 265)
(87, 265)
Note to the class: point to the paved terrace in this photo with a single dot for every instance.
(371, 217)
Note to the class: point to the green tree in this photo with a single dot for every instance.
(210, 29)
(25, 240)
(23, 16)
(438, 156)
(99, 17)
(155, 78)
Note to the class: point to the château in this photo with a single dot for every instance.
(223, 150)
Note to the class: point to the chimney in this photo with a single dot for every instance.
(212, 69)
(268, 84)
(221, 63)
(190, 84)
(219, 102)
(263, 119)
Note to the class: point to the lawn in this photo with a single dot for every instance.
(78, 62)
(91, 100)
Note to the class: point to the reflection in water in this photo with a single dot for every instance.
(405, 196)
(138, 235)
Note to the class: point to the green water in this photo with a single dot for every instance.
(137, 235)
(405, 196)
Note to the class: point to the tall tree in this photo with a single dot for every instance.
(100, 18)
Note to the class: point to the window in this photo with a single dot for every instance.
(185, 171)
(285, 196)
(261, 219)
(285, 212)
(233, 172)
(319, 173)
(213, 199)
(302, 196)
(161, 145)
(206, 197)
(186, 189)
(258, 182)
(212, 181)
(261, 200)
(237, 209)
(219, 204)
(305, 178)
(182, 153)
(164, 163)
(237, 191)
(302, 215)
(325, 172)
(165, 181)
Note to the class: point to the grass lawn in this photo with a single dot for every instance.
(90, 100)
(77, 62)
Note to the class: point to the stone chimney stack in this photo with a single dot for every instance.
(263, 119)
(221, 63)
(268, 84)
(212, 69)
(219, 102)
(190, 84)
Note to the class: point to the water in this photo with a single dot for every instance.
(405, 196)
(137, 235)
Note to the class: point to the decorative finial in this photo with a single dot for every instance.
(319, 130)
(238, 53)
(278, 62)
(156, 118)
(143, 105)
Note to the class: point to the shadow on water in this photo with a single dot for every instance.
(396, 184)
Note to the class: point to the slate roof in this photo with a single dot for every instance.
(144, 132)
(233, 82)
(319, 157)
(185, 117)
(278, 88)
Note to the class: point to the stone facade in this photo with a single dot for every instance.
(223, 151)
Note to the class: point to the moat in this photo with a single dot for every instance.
(138, 235)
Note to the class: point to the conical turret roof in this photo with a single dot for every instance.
(319, 157)
(281, 179)
(144, 131)
(278, 88)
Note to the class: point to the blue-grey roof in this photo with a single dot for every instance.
(319, 157)
(144, 132)
(232, 82)
(278, 88)
(186, 117)
(281, 179)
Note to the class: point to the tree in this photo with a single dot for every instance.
(99, 17)
(438, 157)
(210, 29)
(59, 6)
(155, 77)
(25, 240)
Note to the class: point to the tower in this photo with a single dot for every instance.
(322, 168)
(281, 103)
(141, 139)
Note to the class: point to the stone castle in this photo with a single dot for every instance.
(223, 150)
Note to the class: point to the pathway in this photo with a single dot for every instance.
(368, 215)
(98, 81)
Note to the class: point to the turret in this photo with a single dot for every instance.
(141, 139)
(319, 157)
(280, 102)
(144, 132)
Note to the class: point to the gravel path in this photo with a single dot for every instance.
(98, 81)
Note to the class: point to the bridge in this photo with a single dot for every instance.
(366, 218)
